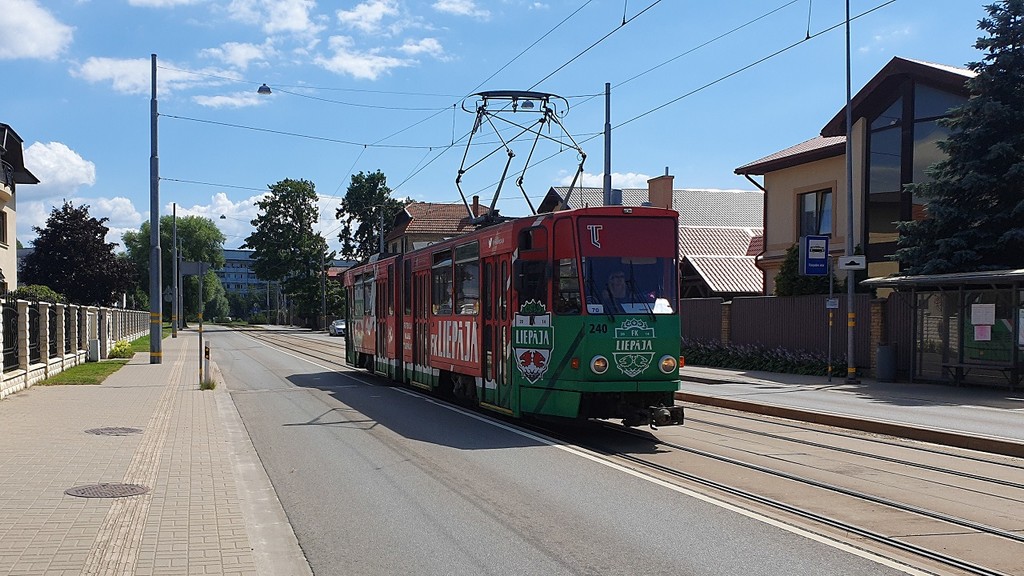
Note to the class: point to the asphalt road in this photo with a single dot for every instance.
(381, 480)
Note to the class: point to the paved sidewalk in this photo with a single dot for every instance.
(990, 419)
(209, 509)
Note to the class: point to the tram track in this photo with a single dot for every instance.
(796, 498)
(826, 495)
(1016, 468)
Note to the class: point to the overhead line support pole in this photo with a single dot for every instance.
(155, 292)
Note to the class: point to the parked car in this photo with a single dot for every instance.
(337, 328)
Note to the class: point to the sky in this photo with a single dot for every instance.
(697, 89)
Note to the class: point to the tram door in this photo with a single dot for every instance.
(421, 326)
(497, 389)
(380, 309)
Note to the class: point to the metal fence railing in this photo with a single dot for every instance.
(51, 333)
(10, 328)
(34, 354)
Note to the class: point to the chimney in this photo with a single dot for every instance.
(659, 190)
(476, 206)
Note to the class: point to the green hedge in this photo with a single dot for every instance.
(751, 357)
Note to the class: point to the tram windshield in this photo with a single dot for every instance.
(629, 285)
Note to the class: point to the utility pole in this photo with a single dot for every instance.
(851, 365)
(156, 311)
(174, 267)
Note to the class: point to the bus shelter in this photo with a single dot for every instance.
(966, 326)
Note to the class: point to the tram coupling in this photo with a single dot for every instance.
(655, 416)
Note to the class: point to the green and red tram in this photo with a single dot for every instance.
(570, 314)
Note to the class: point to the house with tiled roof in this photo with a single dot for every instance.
(717, 231)
(12, 173)
(894, 141)
(424, 223)
(719, 261)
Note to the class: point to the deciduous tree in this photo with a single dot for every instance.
(286, 249)
(72, 257)
(366, 207)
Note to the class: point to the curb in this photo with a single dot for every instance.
(275, 548)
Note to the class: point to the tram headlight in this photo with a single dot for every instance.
(668, 364)
(599, 364)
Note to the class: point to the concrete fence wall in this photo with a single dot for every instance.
(50, 338)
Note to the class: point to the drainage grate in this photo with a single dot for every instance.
(107, 490)
(113, 431)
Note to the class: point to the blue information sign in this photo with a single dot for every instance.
(814, 256)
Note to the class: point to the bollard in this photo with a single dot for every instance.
(206, 361)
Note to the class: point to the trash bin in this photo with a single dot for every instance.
(886, 368)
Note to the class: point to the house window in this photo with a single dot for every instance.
(902, 146)
(3, 226)
(816, 213)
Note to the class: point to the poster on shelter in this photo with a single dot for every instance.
(983, 314)
(982, 333)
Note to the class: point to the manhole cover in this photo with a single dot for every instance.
(107, 490)
(113, 431)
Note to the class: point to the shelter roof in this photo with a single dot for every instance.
(981, 278)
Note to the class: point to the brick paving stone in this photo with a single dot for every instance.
(192, 520)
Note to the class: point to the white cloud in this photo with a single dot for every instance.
(61, 171)
(887, 40)
(135, 76)
(240, 55)
(277, 16)
(428, 46)
(120, 213)
(31, 31)
(619, 180)
(162, 3)
(235, 225)
(366, 65)
(461, 8)
(367, 16)
(236, 100)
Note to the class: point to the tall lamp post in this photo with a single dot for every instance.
(155, 290)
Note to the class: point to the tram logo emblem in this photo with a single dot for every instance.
(532, 337)
(634, 347)
(595, 234)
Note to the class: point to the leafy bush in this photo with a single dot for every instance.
(751, 357)
(121, 349)
(37, 293)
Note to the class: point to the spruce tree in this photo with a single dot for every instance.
(975, 210)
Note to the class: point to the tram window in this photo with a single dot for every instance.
(467, 279)
(356, 297)
(569, 301)
(407, 287)
(535, 238)
(368, 294)
(487, 287)
(441, 283)
(503, 293)
(531, 282)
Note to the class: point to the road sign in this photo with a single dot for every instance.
(814, 256)
(856, 262)
(832, 303)
(189, 268)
